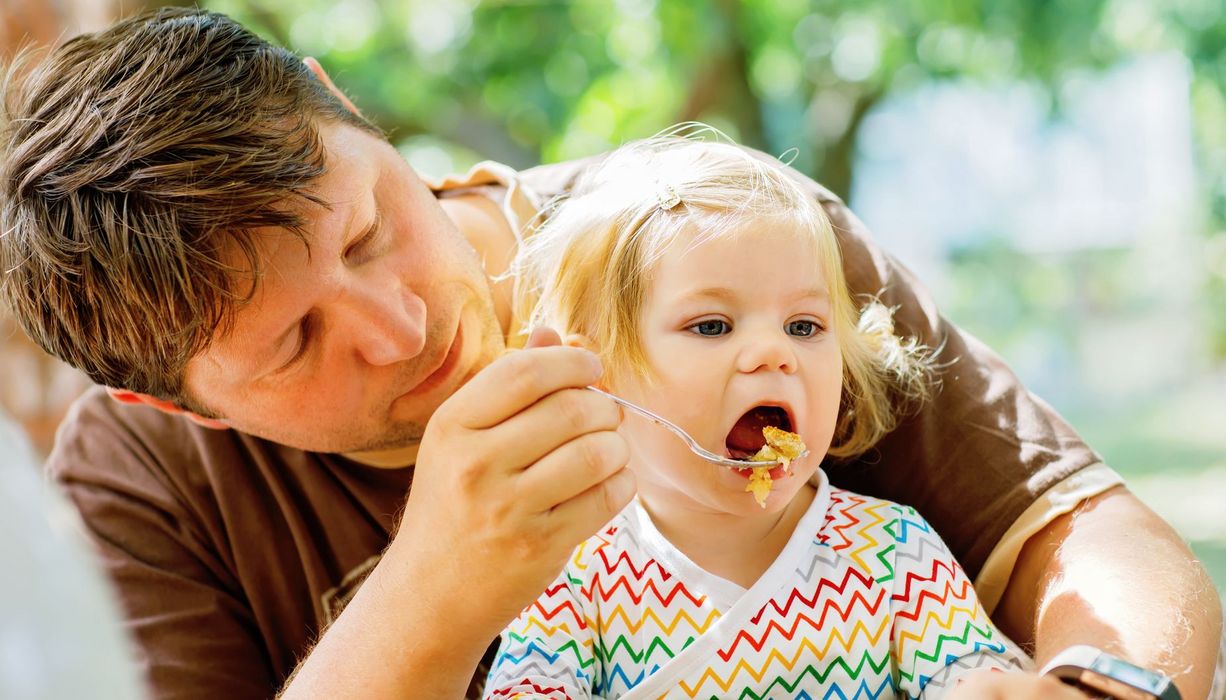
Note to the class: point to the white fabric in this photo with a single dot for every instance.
(60, 634)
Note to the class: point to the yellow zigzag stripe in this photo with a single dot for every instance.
(836, 634)
(577, 560)
(806, 647)
(606, 624)
(946, 623)
(871, 543)
(547, 631)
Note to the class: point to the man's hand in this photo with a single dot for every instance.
(1013, 686)
(515, 470)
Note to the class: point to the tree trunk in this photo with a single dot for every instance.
(838, 166)
(723, 85)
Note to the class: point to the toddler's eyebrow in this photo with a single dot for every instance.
(728, 295)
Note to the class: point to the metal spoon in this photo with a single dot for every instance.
(693, 444)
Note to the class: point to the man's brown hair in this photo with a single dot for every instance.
(136, 164)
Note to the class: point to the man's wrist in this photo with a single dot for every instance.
(1100, 674)
(436, 603)
(393, 639)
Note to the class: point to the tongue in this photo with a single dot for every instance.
(745, 438)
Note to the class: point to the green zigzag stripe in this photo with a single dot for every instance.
(884, 556)
(877, 666)
(606, 652)
(941, 639)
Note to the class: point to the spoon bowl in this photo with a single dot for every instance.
(688, 440)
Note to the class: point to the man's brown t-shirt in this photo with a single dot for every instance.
(231, 553)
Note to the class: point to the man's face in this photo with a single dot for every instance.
(738, 333)
(352, 345)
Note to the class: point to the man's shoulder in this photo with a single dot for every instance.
(121, 446)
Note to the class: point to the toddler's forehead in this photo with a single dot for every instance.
(732, 241)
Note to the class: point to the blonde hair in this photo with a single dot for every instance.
(585, 269)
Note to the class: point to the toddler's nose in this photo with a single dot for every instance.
(768, 352)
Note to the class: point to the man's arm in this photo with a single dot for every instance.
(1114, 575)
(514, 471)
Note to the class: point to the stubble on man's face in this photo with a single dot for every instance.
(407, 433)
(343, 404)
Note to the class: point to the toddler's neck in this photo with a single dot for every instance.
(734, 547)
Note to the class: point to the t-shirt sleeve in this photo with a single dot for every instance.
(548, 651)
(194, 634)
(983, 448)
(941, 633)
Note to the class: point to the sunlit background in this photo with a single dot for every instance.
(1055, 172)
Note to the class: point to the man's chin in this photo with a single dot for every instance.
(392, 458)
(399, 439)
(389, 452)
(403, 437)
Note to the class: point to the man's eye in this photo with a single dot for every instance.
(365, 246)
(711, 328)
(803, 329)
(300, 348)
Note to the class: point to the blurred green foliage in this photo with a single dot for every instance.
(455, 81)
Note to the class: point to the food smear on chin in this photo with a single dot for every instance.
(781, 446)
(760, 484)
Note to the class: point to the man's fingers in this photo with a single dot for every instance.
(582, 516)
(518, 380)
(572, 469)
(543, 427)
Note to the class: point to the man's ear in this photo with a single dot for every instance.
(320, 73)
(137, 398)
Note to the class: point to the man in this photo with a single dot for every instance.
(204, 224)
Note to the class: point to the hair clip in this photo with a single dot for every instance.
(668, 197)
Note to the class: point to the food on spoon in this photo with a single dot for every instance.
(781, 446)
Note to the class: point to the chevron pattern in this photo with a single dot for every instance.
(878, 608)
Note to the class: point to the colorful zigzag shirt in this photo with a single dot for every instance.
(865, 601)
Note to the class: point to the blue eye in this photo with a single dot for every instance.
(803, 329)
(711, 328)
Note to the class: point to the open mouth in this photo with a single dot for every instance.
(745, 438)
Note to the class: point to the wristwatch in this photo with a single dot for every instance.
(1102, 675)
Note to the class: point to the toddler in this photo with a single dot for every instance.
(711, 286)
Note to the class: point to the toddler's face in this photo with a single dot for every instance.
(738, 334)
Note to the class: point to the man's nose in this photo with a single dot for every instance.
(386, 324)
(767, 351)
